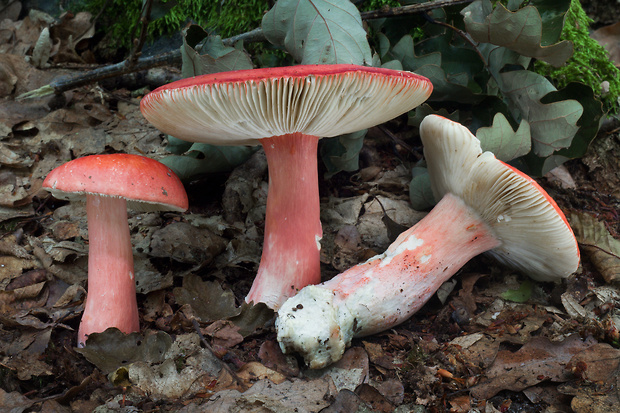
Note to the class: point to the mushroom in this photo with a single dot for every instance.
(287, 110)
(110, 183)
(485, 206)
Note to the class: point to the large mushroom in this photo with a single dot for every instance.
(109, 184)
(287, 110)
(485, 206)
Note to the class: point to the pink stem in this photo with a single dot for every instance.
(398, 282)
(320, 321)
(290, 259)
(111, 300)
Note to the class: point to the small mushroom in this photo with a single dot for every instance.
(287, 110)
(109, 184)
(485, 206)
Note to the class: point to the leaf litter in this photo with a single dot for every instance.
(558, 345)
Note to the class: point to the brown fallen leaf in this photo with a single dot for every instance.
(596, 386)
(537, 361)
(374, 398)
(271, 355)
(609, 38)
(224, 333)
(254, 371)
(14, 401)
(348, 373)
(602, 248)
(301, 396)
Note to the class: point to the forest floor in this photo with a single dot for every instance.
(490, 340)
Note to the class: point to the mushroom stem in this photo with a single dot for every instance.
(111, 299)
(320, 322)
(291, 248)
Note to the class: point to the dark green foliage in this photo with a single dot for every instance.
(588, 64)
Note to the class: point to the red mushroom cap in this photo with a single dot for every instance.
(146, 184)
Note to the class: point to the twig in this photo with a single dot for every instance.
(411, 9)
(65, 83)
(138, 43)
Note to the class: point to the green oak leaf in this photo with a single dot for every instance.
(203, 158)
(521, 295)
(204, 54)
(420, 192)
(503, 141)
(318, 31)
(418, 114)
(342, 153)
(552, 125)
(588, 124)
(520, 31)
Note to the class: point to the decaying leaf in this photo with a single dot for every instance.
(211, 302)
(596, 376)
(602, 248)
(112, 349)
(348, 373)
(185, 243)
(14, 401)
(537, 361)
(302, 396)
(208, 299)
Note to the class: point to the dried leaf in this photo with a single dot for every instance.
(271, 355)
(254, 371)
(348, 373)
(609, 38)
(252, 317)
(208, 299)
(185, 243)
(302, 396)
(602, 248)
(112, 348)
(538, 360)
(14, 401)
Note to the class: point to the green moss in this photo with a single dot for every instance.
(121, 17)
(378, 4)
(589, 64)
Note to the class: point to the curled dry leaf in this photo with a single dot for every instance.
(538, 360)
(602, 248)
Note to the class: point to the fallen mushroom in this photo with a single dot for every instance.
(485, 206)
(109, 184)
(287, 110)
